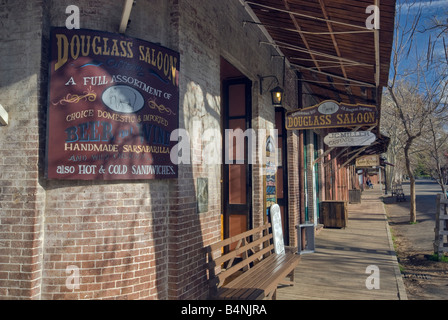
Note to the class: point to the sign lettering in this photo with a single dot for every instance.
(113, 105)
(330, 114)
(350, 139)
(368, 161)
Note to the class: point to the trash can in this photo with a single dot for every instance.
(334, 214)
(308, 245)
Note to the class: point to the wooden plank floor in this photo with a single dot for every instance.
(337, 269)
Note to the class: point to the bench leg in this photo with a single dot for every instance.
(291, 279)
(272, 295)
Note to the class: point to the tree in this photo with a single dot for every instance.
(415, 92)
(436, 143)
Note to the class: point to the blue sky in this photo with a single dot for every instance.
(430, 10)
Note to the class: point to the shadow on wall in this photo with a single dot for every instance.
(127, 239)
(116, 239)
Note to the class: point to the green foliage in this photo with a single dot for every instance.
(435, 257)
(421, 170)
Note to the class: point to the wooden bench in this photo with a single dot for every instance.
(394, 189)
(249, 270)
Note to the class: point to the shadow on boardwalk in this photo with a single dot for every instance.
(338, 268)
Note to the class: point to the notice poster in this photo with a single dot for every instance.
(113, 104)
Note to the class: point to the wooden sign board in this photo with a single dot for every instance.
(113, 105)
(350, 139)
(277, 230)
(330, 114)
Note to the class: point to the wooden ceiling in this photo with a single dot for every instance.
(328, 42)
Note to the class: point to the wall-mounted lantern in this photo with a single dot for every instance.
(277, 94)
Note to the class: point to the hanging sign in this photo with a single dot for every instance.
(113, 104)
(350, 139)
(277, 229)
(330, 114)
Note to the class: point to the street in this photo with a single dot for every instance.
(424, 278)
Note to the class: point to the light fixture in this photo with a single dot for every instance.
(277, 96)
(277, 93)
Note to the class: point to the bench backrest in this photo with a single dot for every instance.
(251, 247)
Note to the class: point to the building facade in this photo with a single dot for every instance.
(144, 238)
(131, 239)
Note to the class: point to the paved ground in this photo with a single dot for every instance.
(424, 278)
(338, 268)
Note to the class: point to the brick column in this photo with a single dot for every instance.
(21, 196)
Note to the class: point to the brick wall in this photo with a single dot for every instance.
(116, 234)
(21, 196)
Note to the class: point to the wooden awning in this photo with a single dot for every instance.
(328, 42)
(335, 53)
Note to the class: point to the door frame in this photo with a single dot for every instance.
(284, 156)
(243, 209)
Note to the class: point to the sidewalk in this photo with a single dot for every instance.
(337, 269)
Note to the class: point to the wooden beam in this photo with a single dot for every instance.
(306, 32)
(358, 153)
(333, 38)
(377, 52)
(262, 29)
(299, 29)
(305, 16)
(288, 46)
(334, 76)
(125, 15)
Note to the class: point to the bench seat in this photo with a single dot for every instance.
(261, 281)
(248, 267)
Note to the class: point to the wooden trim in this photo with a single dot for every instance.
(125, 15)
(236, 252)
(297, 26)
(238, 237)
(333, 38)
(305, 16)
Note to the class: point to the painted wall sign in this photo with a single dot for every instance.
(113, 104)
(368, 161)
(330, 114)
(350, 139)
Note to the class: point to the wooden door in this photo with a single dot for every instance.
(237, 177)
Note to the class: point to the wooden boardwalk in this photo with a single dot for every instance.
(338, 268)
